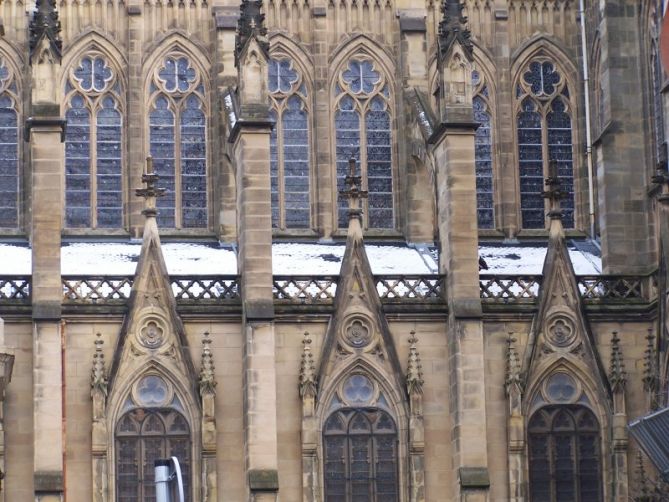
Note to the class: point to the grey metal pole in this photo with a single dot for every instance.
(162, 478)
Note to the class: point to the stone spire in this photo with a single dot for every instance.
(452, 28)
(307, 370)
(45, 29)
(513, 377)
(150, 193)
(251, 24)
(353, 194)
(207, 378)
(617, 374)
(650, 370)
(99, 372)
(414, 368)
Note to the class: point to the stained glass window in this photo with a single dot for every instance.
(363, 132)
(143, 436)
(289, 147)
(9, 150)
(178, 143)
(93, 146)
(564, 455)
(360, 451)
(483, 159)
(657, 75)
(544, 132)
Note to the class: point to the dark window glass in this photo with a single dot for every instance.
(360, 451)
(176, 74)
(542, 78)
(193, 165)
(109, 183)
(162, 148)
(361, 76)
(530, 156)
(658, 112)
(78, 164)
(93, 74)
(142, 436)
(564, 455)
(483, 157)
(560, 150)
(281, 75)
(347, 126)
(9, 159)
(379, 166)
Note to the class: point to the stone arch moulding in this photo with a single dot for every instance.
(282, 44)
(361, 45)
(93, 41)
(122, 393)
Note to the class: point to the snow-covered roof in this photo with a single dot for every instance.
(287, 258)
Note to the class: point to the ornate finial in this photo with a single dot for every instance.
(45, 25)
(650, 370)
(646, 491)
(98, 373)
(661, 177)
(307, 369)
(151, 191)
(617, 374)
(251, 24)
(353, 193)
(513, 378)
(553, 192)
(207, 379)
(414, 368)
(452, 28)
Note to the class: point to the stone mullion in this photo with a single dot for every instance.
(177, 161)
(280, 175)
(543, 110)
(363, 159)
(92, 165)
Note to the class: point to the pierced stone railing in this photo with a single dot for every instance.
(409, 288)
(509, 288)
(206, 288)
(304, 289)
(15, 289)
(617, 288)
(100, 289)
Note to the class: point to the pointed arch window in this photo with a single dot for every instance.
(177, 142)
(363, 131)
(657, 81)
(289, 146)
(544, 133)
(483, 153)
(360, 445)
(9, 148)
(93, 145)
(142, 436)
(564, 455)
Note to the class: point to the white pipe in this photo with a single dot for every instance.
(588, 132)
(162, 479)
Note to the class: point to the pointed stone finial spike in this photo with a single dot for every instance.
(650, 370)
(207, 380)
(44, 27)
(414, 379)
(452, 28)
(617, 374)
(150, 192)
(513, 378)
(251, 24)
(353, 193)
(99, 372)
(307, 379)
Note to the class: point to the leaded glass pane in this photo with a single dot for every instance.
(193, 165)
(281, 75)
(347, 137)
(161, 138)
(361, 76)
(560, 150)
(93, 74)
(564, 455)
(531, 173)
(9, 160)
(360, 456)
(151, 436)
(177, 74)
(379, 165)
(483, 159)
(78, 164)
(295, 164)
(542, 78)
(109, 182)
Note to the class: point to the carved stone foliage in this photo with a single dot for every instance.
(45, 31)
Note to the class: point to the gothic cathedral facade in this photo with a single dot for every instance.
(246, 138)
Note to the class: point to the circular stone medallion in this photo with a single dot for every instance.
(358, 334)
(151, 335)
(561, 332)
